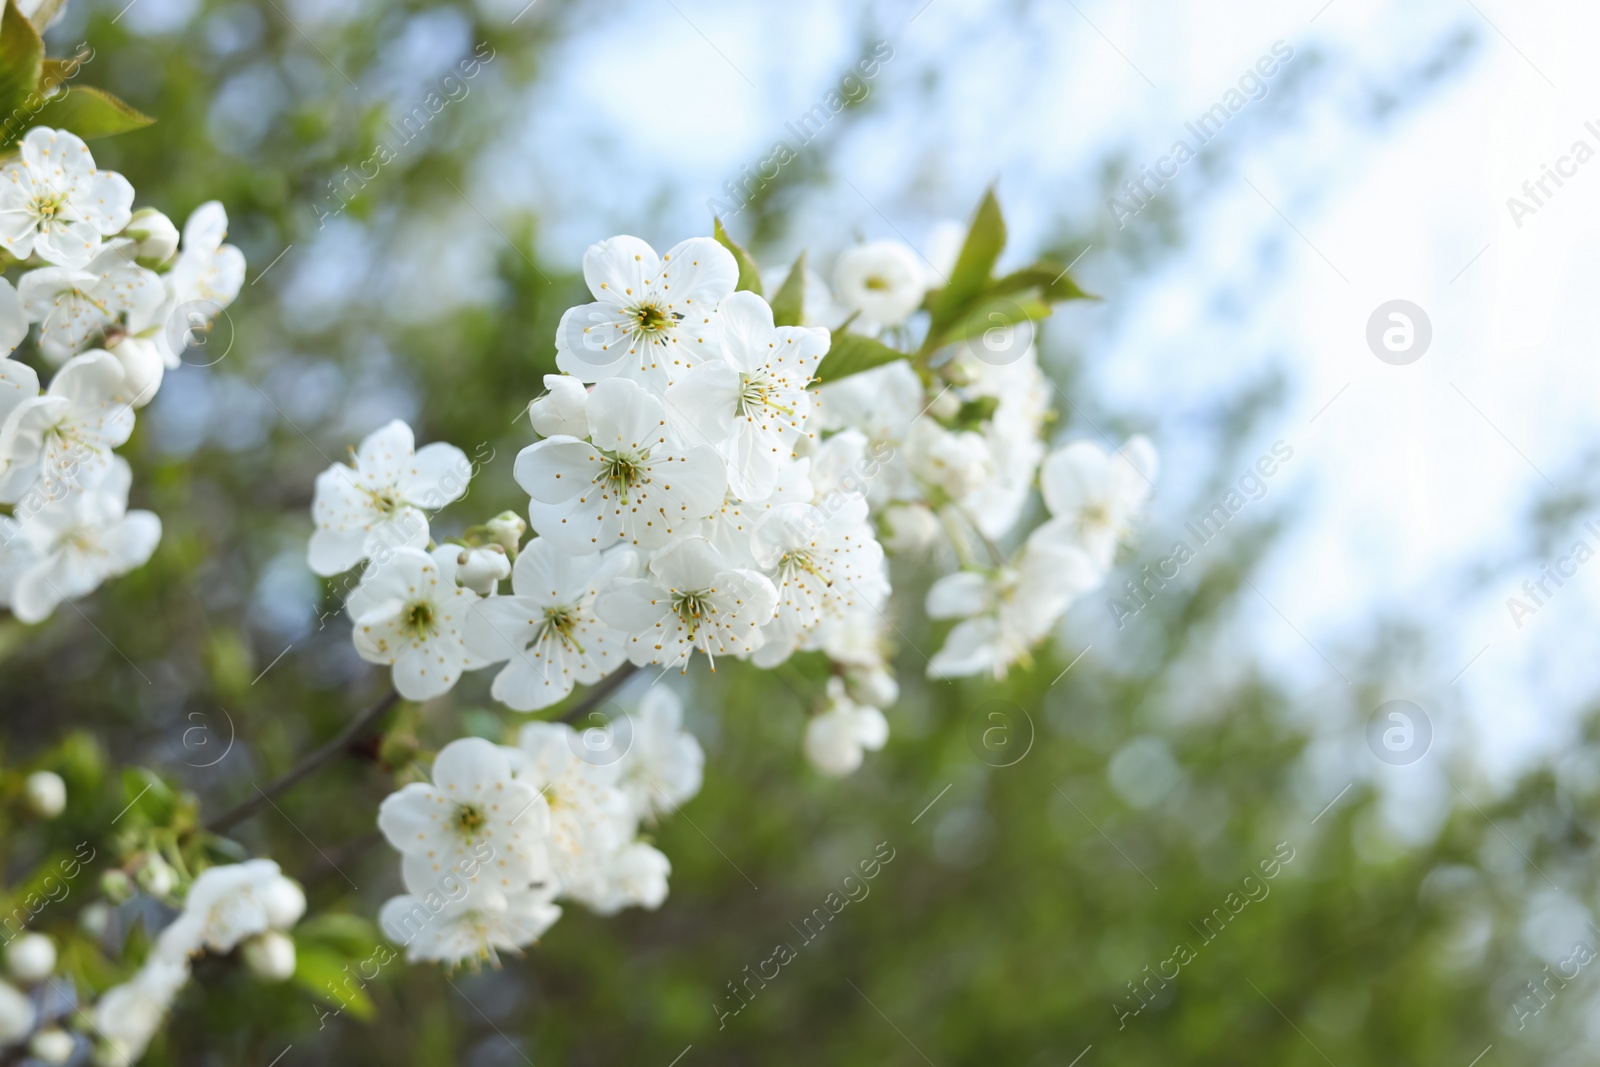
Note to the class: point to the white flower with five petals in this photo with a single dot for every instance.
(547, 628)
(65, 437)
(633, 482)
(1094, 497)
(653, 317)
(377, 503)
(691, 601)
(476, 925)
(664, 763)
(55, 204)
(752, 401)
(475, 819)
(408, 611)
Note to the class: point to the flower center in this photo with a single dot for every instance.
(562, 620)
(469, 819)
(417, 620)
(800, 560)
(622, 471)
(756, 392)
(653, 321)
(49, 206)
(692, 608)
(876, 282)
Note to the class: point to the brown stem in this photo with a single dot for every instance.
(602, 689)
(335, 748)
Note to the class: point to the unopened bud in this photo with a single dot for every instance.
(46, 793)
(31, 958)
(143, 367)
(157, 237)
(52, 1046)
(482, 569)
(269, 956)
(506, 530)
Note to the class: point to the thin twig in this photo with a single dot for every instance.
(602, 689)
(335, 748)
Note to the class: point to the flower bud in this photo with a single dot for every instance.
(910, 529)
(284, 902)
(143, 367)
(481, 569)
(157, 237)
(52, 1046)
(16, 1015)
(564, 409)
(945, 406)
(506, 530)
(31, 958)
(95, 918)
(156, 876)
(874, 688)
(269, 956)
(46, 793)
(116, 885)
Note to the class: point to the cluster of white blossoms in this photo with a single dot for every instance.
(114, 297)
(246, 906)
(503, 831)
(700, 486)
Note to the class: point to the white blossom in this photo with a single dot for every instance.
(635, 877)
(883, 280)
(691, 600)
(408, 612)
(229, 903)
(127, 1016)
(72, 304)
(55, 204)
(1094, 497)
(67, 547)
(824, 561)
(65, 437)
(836, 738)
(752, 401)
(664, 763)
(477, 925)
(563, 409)
(633, 482)
(652, 318)
(377, 503)
(1008, 610)
(472, 801)
(590, 818)
(548, 628)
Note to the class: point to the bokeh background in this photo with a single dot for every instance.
(1179, 751)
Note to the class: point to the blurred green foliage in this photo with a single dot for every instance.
(1020, 899)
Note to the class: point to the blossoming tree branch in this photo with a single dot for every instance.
(715, 475)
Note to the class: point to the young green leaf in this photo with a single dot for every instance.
(21, 60)
(749, 277)
(997, 313)
(851, 354)
(788, 304)
(968, 278)
(1052, 281)
(90, 112)
(320, 971)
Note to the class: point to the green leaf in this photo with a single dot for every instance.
(146, 794)
(851, 354)
(1052, 281)
(788, 304)
(970, 275)
(997, 313)
(320, 971)
(90, 112)
(749, 276)
(21, 61)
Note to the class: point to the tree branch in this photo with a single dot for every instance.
(335, 748)
(601, 689)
